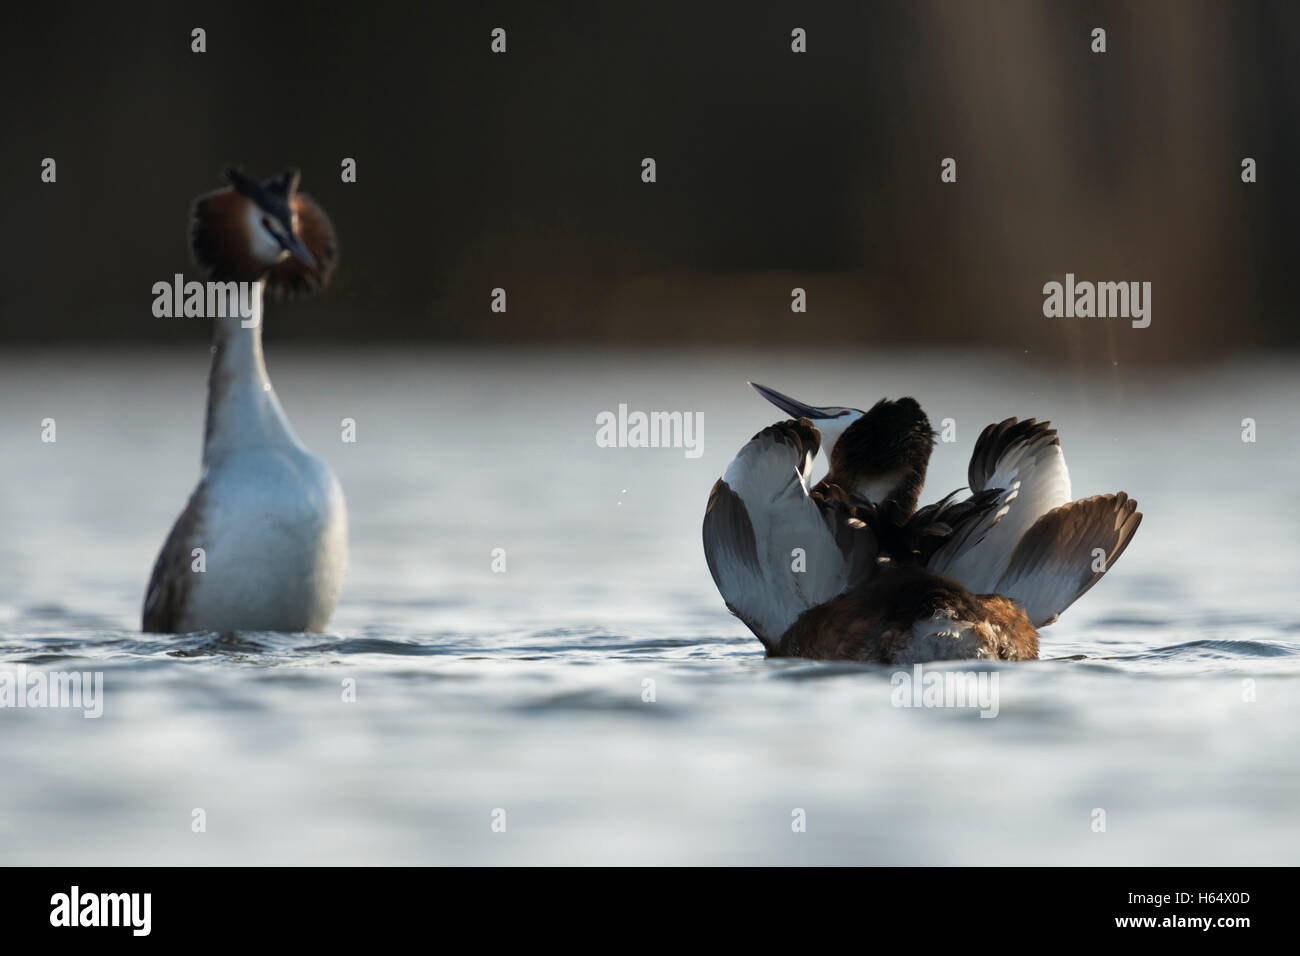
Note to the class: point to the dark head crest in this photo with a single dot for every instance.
(273, 196)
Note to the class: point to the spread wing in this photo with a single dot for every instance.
(1022, 462)
(773, 549)
(1035, 545)
(1066, 552)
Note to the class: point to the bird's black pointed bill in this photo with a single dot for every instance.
(299, 251)
(789, 405)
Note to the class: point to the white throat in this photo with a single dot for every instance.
(262, 244)
(243, 411)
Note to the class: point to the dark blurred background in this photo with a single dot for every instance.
(775, 170)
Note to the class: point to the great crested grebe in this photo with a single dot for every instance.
(850, 569)
(267, 514)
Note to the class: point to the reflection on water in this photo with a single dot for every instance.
(529, 690)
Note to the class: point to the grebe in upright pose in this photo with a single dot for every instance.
(267, 513)
(850, 569)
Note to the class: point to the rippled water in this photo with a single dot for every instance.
(523, 690)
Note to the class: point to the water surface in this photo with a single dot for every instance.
(525, 690)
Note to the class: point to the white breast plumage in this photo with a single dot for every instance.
(273, 528)
(262, 544)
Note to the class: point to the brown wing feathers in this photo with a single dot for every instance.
(1055, 562)
(996, 439)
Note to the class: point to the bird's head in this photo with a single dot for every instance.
(879, 454)
(267, 229)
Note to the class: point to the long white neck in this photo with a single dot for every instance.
(243, 411)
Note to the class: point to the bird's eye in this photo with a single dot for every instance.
(266, 224)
